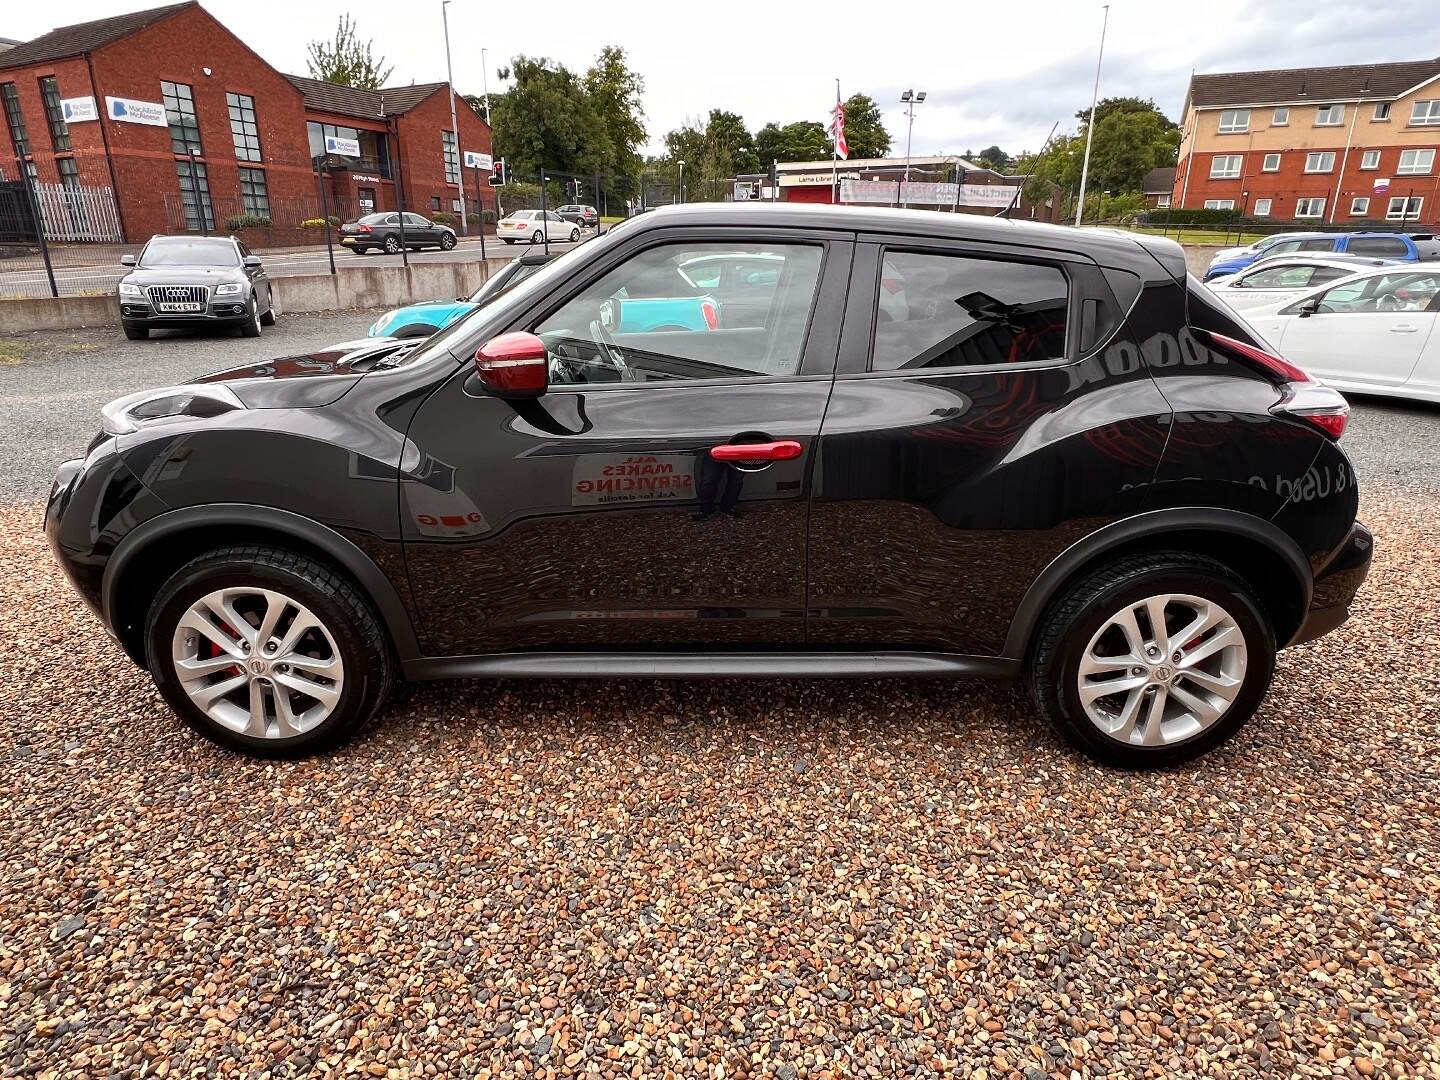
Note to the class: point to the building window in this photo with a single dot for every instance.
(1280, 117)
(19, 137)
(1415, 162)
(1320, 161)
(180, 111)
(1262, 208)
(254, 196)
(1219, 204)
(1359, 207)
(243, 129)
(195, 194)
(1330, 116)
(1425, 112)
(1382, 111)
(1370, 159)
(1271, 163)
(54, 115)
(434, 203)
(1404, 208)
(1162, 202)
(374, 150)
(1309, 208)
(1225, 167)
(452, 157)
(69, 172)
(1233, 121)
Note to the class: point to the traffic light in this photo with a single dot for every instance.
(755, 190)
(499, 173)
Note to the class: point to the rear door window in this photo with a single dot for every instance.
(1383, 246)
(937, 311)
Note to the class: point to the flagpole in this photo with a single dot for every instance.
(835, 153)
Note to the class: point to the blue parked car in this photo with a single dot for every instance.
(424, 318)
(1401, 247)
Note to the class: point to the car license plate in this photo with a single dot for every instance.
(180, 308)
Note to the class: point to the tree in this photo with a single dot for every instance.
(804, 140)
(1107, 107)
(547, 120)
(347, 61)
(616, 94)
(992, 157)
(727, 131)
(864, 130)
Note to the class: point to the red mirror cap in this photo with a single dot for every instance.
(513, 365)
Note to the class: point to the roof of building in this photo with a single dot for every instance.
(1158, 181)
(1318, 84)
(918, 161)
(86, 37)
(363, 104)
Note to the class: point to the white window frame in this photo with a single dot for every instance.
(1262, 208)
(1416, 156)
(1359, 206)
(1280, 117)
(1382, 111)
(1370, 159)
(1324, 112)
(1425, 113)
(1310, 208)
(1234, 121)
(1404, 211)
(1162, 203)
(1216, 173)
(1266, 166)
(1320, 161)
(1219, 204)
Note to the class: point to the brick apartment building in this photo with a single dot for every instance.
(174, 113)
(1352, 145)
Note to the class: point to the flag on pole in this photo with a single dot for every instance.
(837, 126)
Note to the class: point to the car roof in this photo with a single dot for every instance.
(1304, 258)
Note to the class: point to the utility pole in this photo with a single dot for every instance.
(485, 85)
(1090, 127)
(682, 181)
(454, 126)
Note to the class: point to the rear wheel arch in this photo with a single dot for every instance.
(1254, 549)
(144, 560)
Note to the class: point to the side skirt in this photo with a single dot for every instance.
(709, 665)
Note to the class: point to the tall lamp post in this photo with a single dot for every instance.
(682, 180)
(485, 85)
(910, 98)
(1090, 127)
(454, 126)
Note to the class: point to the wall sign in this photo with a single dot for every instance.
(344, 147)
(362, 178)
(475, 160)
(130, 111)
(75, 110)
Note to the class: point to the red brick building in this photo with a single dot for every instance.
(191, 128)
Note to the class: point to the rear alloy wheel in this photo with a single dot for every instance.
(266, 651)
(392, 245)
(1153, 660)
(447, 241)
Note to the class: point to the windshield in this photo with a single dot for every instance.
(187, 252)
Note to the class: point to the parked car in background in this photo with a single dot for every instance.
(193, 281)
(534, 226)
(585, 216)
(985, 477)
(1257, 248)
(385, 232)
(424, 318)
(1272, 282)
(1371, 333)
(1403, 247)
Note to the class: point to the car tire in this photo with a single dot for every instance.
(507, 240)
(347, 630)
(1157, 720)
(536, 237)
(447, 241)
(574, 235)
(392, 245)
(135, 333)
(251, 326)
(268, 318)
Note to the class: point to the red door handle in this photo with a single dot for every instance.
(785, 450)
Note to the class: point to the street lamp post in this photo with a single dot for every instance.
(910, 98)
(485, 85)
(682, 180)
(454, 126)
(1090, 126)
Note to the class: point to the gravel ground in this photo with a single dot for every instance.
(791, 879)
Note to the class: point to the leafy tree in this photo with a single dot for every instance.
(804, 140)
(616, 93)
(864, 130)
(992, 157)
(346, 61)
(1107, 107)
(547, 120)
(727, 131)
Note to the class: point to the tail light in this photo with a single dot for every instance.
(1304, 398)
(521, 225)
(362, 228)
(711, 314)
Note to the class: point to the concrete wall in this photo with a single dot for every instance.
(1198, 256)
(353, 288)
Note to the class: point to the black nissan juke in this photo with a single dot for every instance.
(744, 441)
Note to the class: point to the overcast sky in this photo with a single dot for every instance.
(995, 72)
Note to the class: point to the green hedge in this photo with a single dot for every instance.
(1177, 216)
(246, 221)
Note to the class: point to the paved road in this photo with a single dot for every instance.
(53, 383)
(31, 280)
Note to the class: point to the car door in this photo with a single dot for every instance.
(602, 515)
(1367, 331)
(420, 231)
(1266, 285)
(987, 413)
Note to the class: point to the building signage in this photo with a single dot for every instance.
(924, 193)
(363, 179)
(130, 111)
(334, 144)
(810, 179)
(476, 160)
(77, 109)
(1382, 185)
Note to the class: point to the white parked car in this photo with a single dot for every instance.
(1372, 333)
(1277, 281)
(532, 226)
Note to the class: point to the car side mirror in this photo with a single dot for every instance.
(513, 366)
(252, 260)
(1308, 308)
(127, 260)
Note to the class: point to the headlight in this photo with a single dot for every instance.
(230, 289)
(131, 292)
(127, 413)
